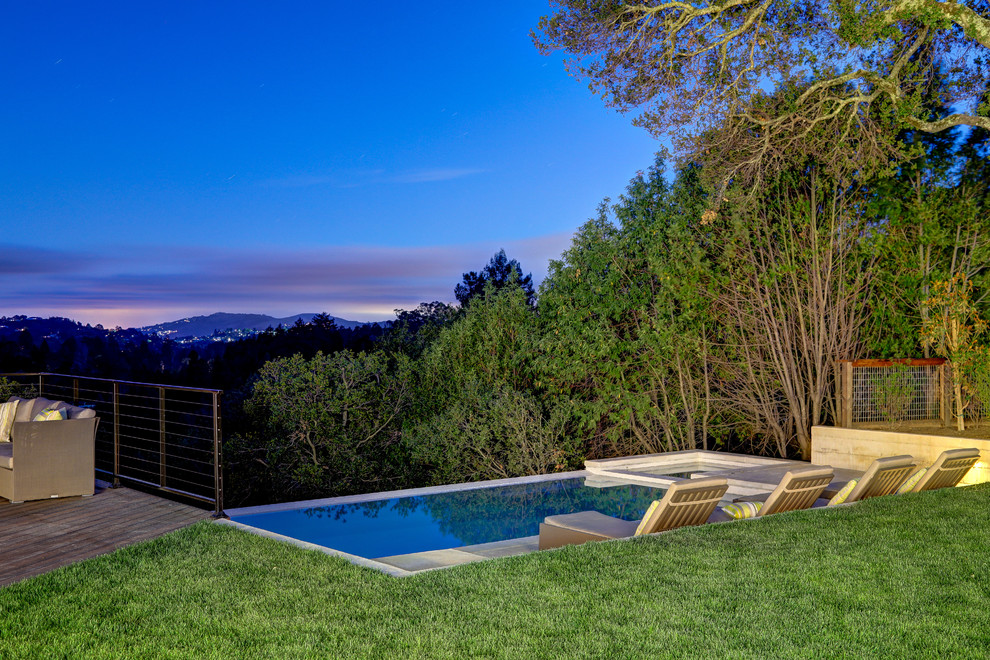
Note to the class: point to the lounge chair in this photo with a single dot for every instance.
(951, 466)
(883, 477)
(688, 502)
(798, 489)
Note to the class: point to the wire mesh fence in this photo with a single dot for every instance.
(160, 436)
(897, 393)
(892, 391)
(910, 390)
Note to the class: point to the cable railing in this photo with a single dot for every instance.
(165, 437)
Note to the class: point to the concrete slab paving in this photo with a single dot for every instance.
(509, 548)
(421, 561)
(767, 477)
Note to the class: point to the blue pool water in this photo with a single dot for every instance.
(449, 520)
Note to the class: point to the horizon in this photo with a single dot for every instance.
(190, 316)
(282, 160)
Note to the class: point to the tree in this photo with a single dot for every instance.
(413, 331)
(325, 426)
(475, 414)
(932, 218)
(954, 329)
(628, 329)
(840, 72)
(501, 272)
(792, 281)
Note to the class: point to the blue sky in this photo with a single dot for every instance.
(165, 159)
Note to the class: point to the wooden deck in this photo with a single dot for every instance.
(37, 537)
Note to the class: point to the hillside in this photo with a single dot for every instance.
(204, 326)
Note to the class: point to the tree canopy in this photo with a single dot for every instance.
(500, 273)
(748, 82)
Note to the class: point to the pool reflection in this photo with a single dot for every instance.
(449, 520)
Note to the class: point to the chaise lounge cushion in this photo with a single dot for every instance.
(843, 494)
(912, 481)
(743, 510)
(7, 455)
(605, 526)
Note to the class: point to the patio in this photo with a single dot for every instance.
(43, 535)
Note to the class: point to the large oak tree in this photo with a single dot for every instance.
(747, 84)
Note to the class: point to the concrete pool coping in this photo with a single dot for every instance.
(747, 475)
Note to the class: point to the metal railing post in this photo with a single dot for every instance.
(41, 384)
(116, 435)
(217, 458)
(947, 402)
(161, 436)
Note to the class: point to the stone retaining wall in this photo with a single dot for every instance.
(855, 449)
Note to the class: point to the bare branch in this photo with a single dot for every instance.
(777, 74)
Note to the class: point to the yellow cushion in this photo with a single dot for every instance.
(641, 529)
(740, 510)
(49, 415)
(7, 412)
(909, 485)
(841, 496)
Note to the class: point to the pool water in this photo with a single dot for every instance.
(440, 521)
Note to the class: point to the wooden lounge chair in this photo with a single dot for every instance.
(798, 489)
(688, 502)
(951, 466)
(883, 477)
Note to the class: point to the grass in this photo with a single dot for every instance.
(904, 576)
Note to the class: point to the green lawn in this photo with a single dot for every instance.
(902, 576)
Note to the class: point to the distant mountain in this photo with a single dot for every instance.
(205, 326)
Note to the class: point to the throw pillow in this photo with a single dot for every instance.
(740, 510)
(641, 528)
(7, 412)
(841, 496)
(50, 415)
(909, 485)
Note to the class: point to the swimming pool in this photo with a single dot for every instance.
(439, 521)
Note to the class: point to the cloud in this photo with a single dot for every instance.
(22, 260)
(141, 285)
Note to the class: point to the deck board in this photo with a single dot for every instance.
(37, 537)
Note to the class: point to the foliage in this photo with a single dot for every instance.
(978, 382)
(490, 432)
(413, 331)
(931, 218)
(326, 426)
(474, 414)
(500, 272)
(895, 393)
(843, 77)
(9, 388)
(954, 330)
(626, 321)
(868, 580)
